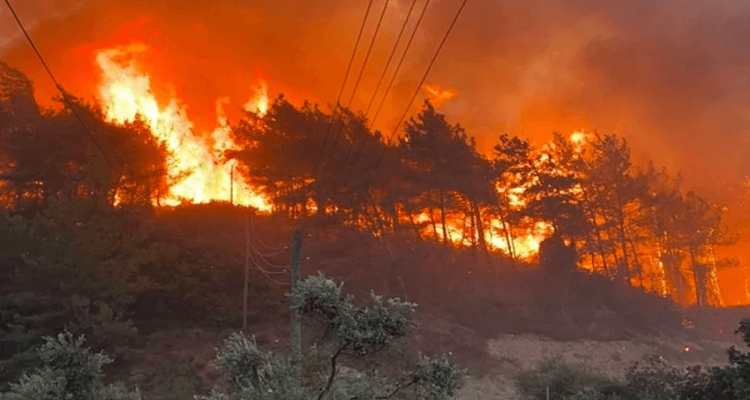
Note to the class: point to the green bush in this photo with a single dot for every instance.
(68, 372)
(655, 380)
(563, 381)
(731, 382)
(362, 330)
(106, 327)
(17, 343)
(77, 247)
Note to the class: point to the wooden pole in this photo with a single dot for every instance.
(296, 338)
(247, 272)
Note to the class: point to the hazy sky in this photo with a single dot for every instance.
(672, 76)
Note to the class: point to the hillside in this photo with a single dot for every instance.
(488, 317)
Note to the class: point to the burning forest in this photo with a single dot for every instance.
(634, 224)
(613, 139)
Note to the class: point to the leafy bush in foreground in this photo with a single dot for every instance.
(258, 375)
(652, 380)
(16, 341)
(69, 372)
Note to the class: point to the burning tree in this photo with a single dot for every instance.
(46, 153)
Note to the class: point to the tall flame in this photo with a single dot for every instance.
(126, 93)
(259, 103)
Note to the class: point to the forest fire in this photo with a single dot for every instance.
(447, 185)
(203, 176)
(126, 94)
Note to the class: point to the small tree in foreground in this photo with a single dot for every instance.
(258, 375)
(70, 372)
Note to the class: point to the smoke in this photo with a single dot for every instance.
(669, 75)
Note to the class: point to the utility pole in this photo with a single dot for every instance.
(296, 339)
(247, 271)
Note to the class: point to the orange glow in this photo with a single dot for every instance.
(439, 96)
(126, 92)
(526, 241)
(259, 103)
(579, 139)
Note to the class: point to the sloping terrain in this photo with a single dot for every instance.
(488, 315)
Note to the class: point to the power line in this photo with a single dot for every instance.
(361, 72)
(57, 84)
(343, 84)
(380, 80)
(390, 57)
(393, 79)
(398, 66)
(369, 51)
(419, 86)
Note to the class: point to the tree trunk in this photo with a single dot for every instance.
(599, 241)
(480, 228)
(623, 245)
(699, 291)
(414, 225)
(378, 219)
(434, 225)
(473, 221)
(396, 221)
(442, 217)
(637, 262)
(508, 238)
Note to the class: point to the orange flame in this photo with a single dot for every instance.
(126, 92)
(439, 96)
(259, 103)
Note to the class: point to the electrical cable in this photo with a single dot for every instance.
(57, 84)
(380, 80)
(359, 77)
(343, 84)
(393, 78)
(424, 77)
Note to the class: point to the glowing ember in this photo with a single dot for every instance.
(126, 92)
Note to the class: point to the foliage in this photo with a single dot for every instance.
(636, 226)
(733, 381)
(46, 153)
(658, 381)
(107, 327)
(655, 380)
(259, 375)
(17, 342)
(79, 247)
(69, 372)
(562, 381)
(440, 376)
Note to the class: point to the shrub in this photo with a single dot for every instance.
(656, 380)
(562, 380)
(17, 343)
(106, 327)
(362, 330)
(69, 372)
(733, 381)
